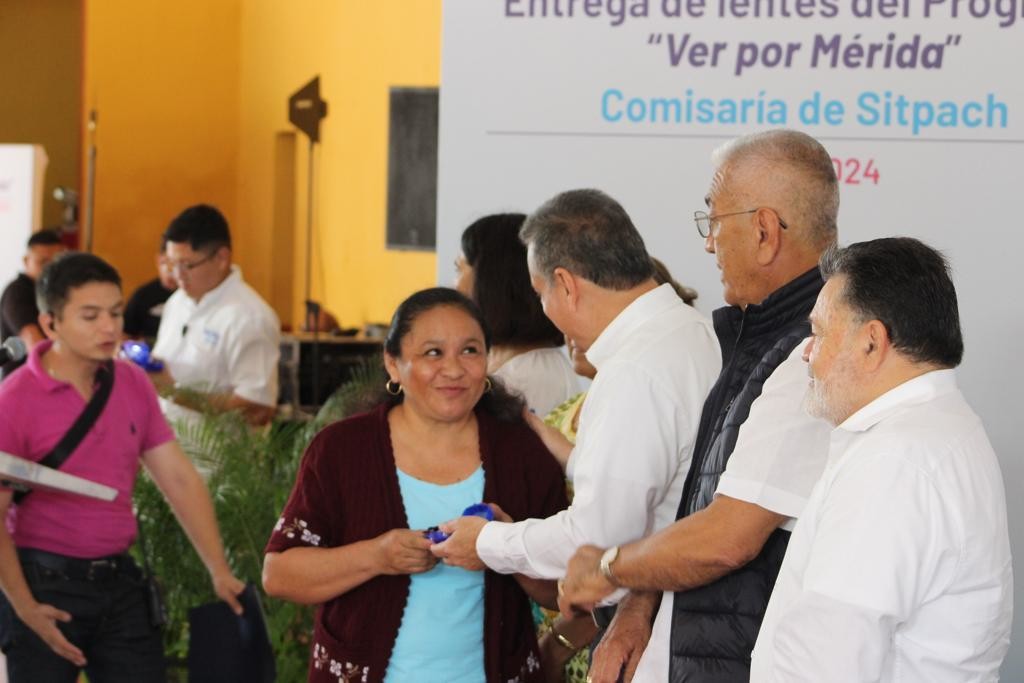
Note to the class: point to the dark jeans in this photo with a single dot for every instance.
(110, 624)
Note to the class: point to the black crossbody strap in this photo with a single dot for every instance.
(86, 419)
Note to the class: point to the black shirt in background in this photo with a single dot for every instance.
(17, 309)
(144, 309)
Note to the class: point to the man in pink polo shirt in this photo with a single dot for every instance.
(74, 598)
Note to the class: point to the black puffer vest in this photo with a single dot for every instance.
(714, 627)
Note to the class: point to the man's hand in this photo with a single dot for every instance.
(255, 414)
(161, 379)
(404, 551)
(460, 549)
(228, 588)
(584, 585)
(42, 619)
(625, 640)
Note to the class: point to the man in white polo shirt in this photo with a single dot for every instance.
(899, 568)
(219, 340)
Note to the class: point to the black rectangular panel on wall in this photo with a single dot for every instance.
(412, 169)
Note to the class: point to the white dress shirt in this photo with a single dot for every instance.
(899, 569)
(779, 455)
(543, 376)
(228, 342)
(656, 362)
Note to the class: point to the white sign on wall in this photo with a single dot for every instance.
(920, 103)
(22, 171)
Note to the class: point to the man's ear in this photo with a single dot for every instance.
(47, 323)
(769, 235)
(565, 284)
(875, 344)
(223, 258)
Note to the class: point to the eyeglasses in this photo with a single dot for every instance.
(186, 267)
(704, 221)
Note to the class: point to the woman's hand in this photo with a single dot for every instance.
(404, 551)
(555, 653)
(553, 439)
(553, 657)
(499, 514)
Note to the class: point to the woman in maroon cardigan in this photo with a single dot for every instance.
(443, 436)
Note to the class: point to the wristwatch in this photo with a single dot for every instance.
(609, 556)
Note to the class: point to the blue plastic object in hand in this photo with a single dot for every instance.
(475, 510)
(435, 535)
(138, 353)
(479, 510)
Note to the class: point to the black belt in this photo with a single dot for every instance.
(79, 569)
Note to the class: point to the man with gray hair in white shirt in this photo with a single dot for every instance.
(899, 568)
(771, 211)
(656, 359)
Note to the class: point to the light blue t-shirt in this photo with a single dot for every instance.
(441, 639)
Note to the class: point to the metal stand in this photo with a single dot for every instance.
(312, 307)
(306, 110)
(90, 181)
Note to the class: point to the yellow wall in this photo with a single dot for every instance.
(40, 72)
(359, 49)
(163, 77)
(192, 100)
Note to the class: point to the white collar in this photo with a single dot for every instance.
(920, 389)
(233, 279)
(649, 305)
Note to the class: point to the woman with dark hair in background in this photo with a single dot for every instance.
(526, 353)
(442, 436)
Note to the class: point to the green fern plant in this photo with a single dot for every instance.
(250, 475)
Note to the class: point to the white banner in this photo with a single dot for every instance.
(22, 171)
(920, 103)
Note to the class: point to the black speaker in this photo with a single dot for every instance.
(412, 169)
(338, 357)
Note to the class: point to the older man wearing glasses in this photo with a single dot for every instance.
(219, 340)
(771, 212)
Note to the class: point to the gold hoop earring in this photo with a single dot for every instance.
(488, 385)
(393, 387)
